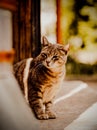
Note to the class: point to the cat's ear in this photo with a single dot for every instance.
(67, 47)
(45, 42)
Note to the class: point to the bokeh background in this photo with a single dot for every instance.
(74, 22)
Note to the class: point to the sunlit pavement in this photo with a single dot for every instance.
(86, 121)
(74, 106)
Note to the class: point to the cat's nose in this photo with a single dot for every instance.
(47, 62)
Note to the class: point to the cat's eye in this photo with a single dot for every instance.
(44, 55)
(55, 57)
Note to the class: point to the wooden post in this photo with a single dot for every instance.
(26, 26)
(59, 32)
(36, 45)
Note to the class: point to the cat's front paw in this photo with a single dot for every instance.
(51, 115)
(43, 116)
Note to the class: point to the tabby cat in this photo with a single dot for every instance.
(41, 78)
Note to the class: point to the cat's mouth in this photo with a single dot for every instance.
(50, 65)
(47, 64)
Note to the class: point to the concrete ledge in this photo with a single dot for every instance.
(86, 121)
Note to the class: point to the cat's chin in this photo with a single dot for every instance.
(48, 66)
(51, 67)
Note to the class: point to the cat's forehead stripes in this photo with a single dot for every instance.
(53, 49)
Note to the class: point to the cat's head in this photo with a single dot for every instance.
(53, 55)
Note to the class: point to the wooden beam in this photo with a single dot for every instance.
(8, 4)
(26, 27)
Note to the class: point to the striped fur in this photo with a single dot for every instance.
(40, 78)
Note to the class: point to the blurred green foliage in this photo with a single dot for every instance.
(79, 28)
(79, 18)
(73, 67)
